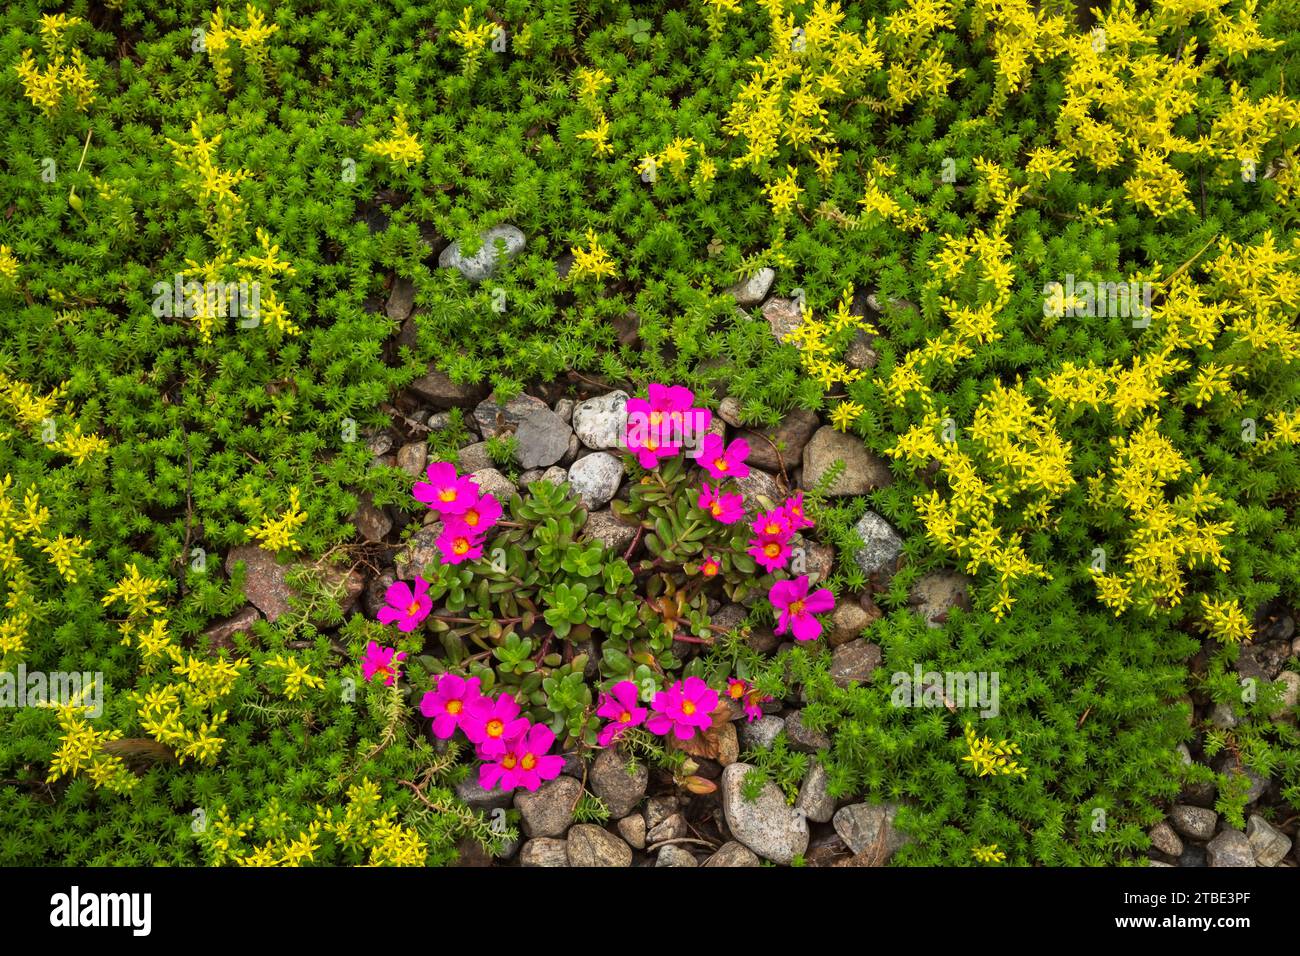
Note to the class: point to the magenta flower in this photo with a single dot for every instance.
(623, 709)
(406, 607)
(728, 463)
(478, 517)
(683, 708)
(773, 524)
(444, 492)
(382, 661)
(457, 543)
(525, 762)
(797, 607)
(710, 566)
(747, 696)
(771, 553)
(794, 509)
(726, 509)
(490, 723)
(446, 704)
(646, 441)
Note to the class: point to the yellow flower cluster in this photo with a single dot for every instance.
(820, 341)
(1226, 621)
(591, 262)
(296, 676)
(809, 70)
(988, 854)
(219, 37)
(400, 146)
(81, 749)
(591, 83)
(360, 826)
(276, 534)
(675, 157)
(211, 187)
(472, 39)
(988, 759)
(8, 267)
(63, 77)
(38, 415)
(878, 203)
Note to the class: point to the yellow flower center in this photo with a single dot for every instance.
(529, 762)
(656, 417)
(651, 444)
(772, 528)
(413, 609)
(716, 508)
(688, 707)
(495, 728)
(737, 691)
(447, 494)
(460, 545)
(471, 517)
(454, 706)
(709, 569)
(796, 607)
(772, 549)
(624, 717)
(509, 761)
(720, 464)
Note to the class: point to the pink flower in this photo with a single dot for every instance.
(448, 701)
(748, 696)
(657, 426)
(797, 607)
(382, 661)
(771, 553)
(726, 509)
(406, 607)
(525, 762)
(444, 492)
(623, 709)
(729, 463)
(478, 517)
(490, 723)
(794, 508)
(710, 566)
(457, 543)
(683, 708)
(773, 524)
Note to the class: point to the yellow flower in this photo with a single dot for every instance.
(137, 592)
(599, 137)
(401, 147)
(845, 414)
(1225, 620)
(784, 193)
(274, 535)
(593, 261)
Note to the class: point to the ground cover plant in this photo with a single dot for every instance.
(597, 432)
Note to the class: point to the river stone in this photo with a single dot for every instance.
(766, 824)
(860, 353)
(762, 733)
(863, 471)
(1198, 823)
(420, 550)
(221, 635)
(1230, 848)
(484, 263)
(753, 289)
(848, 621)
(1268, 843)
(673, 855)
(881, 546)
(1164, 839)
(733, 853)
(492, 482)
(854, 661)
(493, 418)
(544, 852)
(601, 422)
(548, 811)
(411, 458)
(564, 409)
(605, 527)
(632, 829)
(543, 439)
(729, 411)
(590, 845)
(401, 300)
(609, 780)
(474, 458)
(671, 828)
(938, 592)
(480, 799)
(371, 523)
(783, 316)
(441, 392)
(266, 584)
(859, 826)
(791, 435)
(814, 795)
(759, 483)
(803, 739)
(595, 479)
